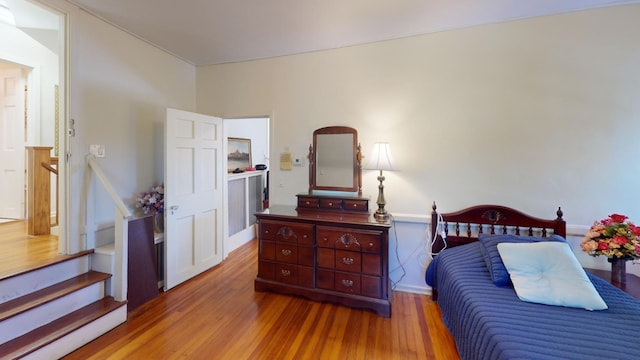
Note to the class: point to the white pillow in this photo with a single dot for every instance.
(549, 273)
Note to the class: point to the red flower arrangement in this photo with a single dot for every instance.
(613, 237)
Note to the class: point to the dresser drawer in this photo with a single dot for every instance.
(347, 283)
(348, 261)
(356, 205)
(306, 255)
(335, 204)
(371, 264)
(349, 239)
(294, 274)
(330, 204)
(267, 250)
(371, 286)
(287, 232)
(286, 253)
(308, 202)
(325, 279)
(294, 254)
(326, 257)
(286, 273)
(267, 270)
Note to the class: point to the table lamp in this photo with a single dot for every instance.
(381, 159)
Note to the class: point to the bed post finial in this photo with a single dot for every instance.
(559, 213)
(433, 207)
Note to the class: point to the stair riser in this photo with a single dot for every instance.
(34, 318)
(104, 260)
(21, 285)
(81, 336)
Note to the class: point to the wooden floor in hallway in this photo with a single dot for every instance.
(22, 252)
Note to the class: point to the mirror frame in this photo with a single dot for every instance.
(357, 160)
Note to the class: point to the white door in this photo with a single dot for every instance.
(193, 195)
(12, 143)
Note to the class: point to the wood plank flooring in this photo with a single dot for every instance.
(218, 315)
(21, 252)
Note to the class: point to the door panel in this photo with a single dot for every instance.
(193, 195)
(12, 143)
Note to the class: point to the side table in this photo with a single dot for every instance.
(632, 286)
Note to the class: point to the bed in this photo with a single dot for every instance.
(490, 321)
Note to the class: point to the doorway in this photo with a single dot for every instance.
(32, 56)
(246, 192)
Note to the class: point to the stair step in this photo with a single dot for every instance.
(44, 275)
(57, 329)
(44, 264)
(24, 303)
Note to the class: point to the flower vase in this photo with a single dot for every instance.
(618, 270)
(158, 223)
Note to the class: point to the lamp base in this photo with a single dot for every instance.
(381, 215)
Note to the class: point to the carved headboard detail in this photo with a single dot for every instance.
(464, 226)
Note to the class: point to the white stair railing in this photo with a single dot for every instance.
(121, 241)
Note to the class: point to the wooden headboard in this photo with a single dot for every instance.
(464, 226)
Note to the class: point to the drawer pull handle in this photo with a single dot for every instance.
(305, 236)
(347, 283)
(285, 272)
(347, 261)
(286, 252)
(307, 203)
(330, 203)
(355, 205)
(267, 232)
(370, 244)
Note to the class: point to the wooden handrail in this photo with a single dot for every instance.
(121, 229)
(49, 167)
(91, 161)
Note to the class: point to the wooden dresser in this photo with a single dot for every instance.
(328, 248)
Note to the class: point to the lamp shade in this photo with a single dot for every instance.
(380, 158)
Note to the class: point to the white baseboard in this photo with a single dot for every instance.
(425, 290)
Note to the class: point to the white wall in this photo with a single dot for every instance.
(120, 87)
(533, 114)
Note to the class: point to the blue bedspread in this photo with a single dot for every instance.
(490, 322)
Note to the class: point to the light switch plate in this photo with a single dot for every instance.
(97, 150)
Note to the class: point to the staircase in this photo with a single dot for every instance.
(47, 312)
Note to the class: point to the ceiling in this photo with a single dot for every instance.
(205, 32)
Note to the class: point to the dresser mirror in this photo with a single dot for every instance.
(335, 160)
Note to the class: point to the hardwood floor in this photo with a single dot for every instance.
(20, 252)
(218, 315)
